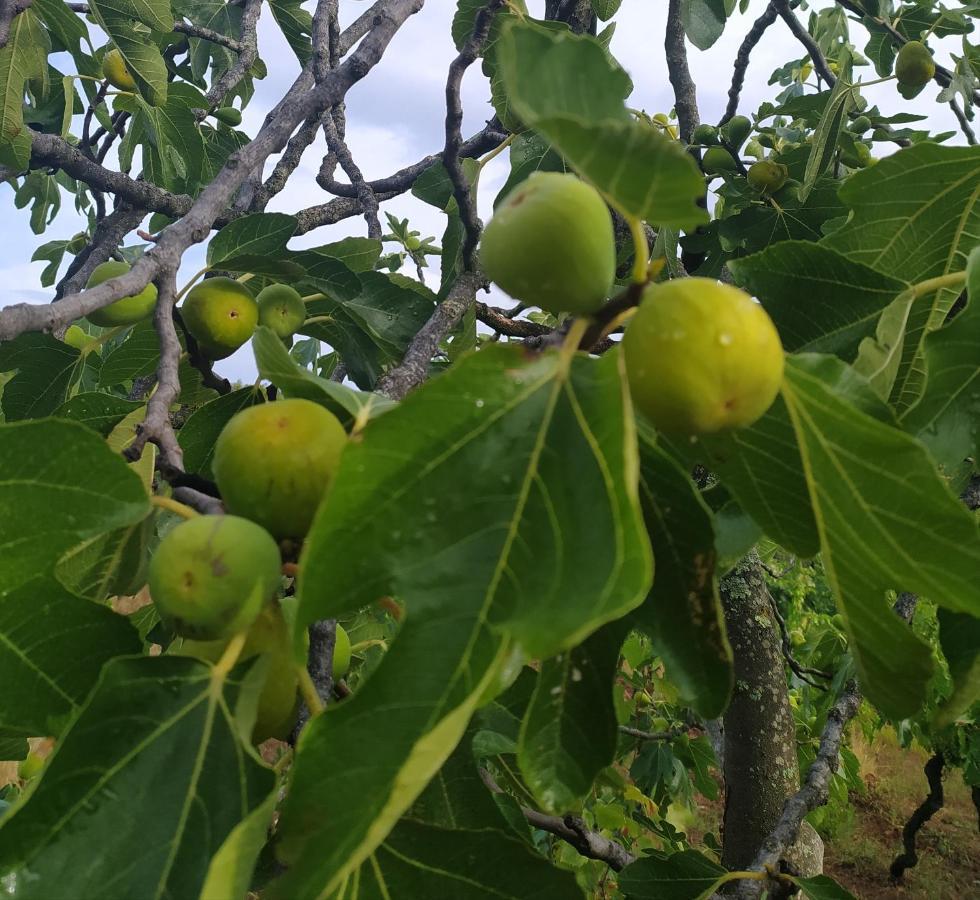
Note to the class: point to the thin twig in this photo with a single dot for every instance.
(803, 36)
(743, 56)
(923, 813)
(248, 51)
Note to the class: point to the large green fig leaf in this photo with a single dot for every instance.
(820, 300)
(157, 734)
(546, 447)
(914, 216)
(567, 88)
(683, 614)
(46, 370)
(203, 426)
(24, 56)
(880, 529)
(569, 732)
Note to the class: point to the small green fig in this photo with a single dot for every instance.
(716, 161)
(915, 66)
(211, 575)
(127, 311)
(767, 176)
(736, 130)
(341, 653)
(221, 315)
(860, 125)
(228, 115)
(551, 244)
(75, 337)
(282, 309)
(859, 159)
(116, 71)
(701, 357)
(273, 463)
(705, 135)
(77, 243)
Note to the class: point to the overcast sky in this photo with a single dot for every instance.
(395, 116)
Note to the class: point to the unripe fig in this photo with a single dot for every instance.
(860, 125)
(915, 66)
(282, 309)
(412, 243)
(277, 707)
(736, 130)
(273, 463)
(341, 653)
(663, 120)
(77, 243)
(754, 149)
(717, 160)
(221, 315)
(701, 357)
(859, 159)
(127, 311)
(228, 115)
(75, 337)
(705, 135)
(767, 176)
(116, 71)
(211, 575)
(551, 244)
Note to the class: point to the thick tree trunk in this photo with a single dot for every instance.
(760, 763)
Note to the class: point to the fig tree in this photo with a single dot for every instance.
(228, 115)
(116, 71)
(273, 463)
(221, 315)
(767, 176)
(915, 66)
(717, 160)
(211, 575)
(127, 311)
(282, 309)
(341, 653)
(701, 357)
(551, 244)
(278, 701)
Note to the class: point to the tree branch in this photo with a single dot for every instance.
(454, 120)
(248, 50)
(803, 36)
(742, 58)
(188, 28)
(685, 91)
(923, 813)
(9, 9)
(414, 367)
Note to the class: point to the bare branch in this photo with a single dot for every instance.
(814, 792)
(742, 58)
(203, 503)
(156, 426)
(465, 201)
(668, 735)
(365, 195)
(802, 672)
(109, 234)
(968, 132)
(923, 813)
(188, 28)
(247, 53)
(572, 830)
(414, 368)
(685, 91)
(803, 36)
(298, 104)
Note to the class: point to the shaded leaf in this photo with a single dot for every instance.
(46, 368)
(202, 428)
(681, 876)
(100, 412)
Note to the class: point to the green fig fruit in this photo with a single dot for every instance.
(915, 66)
(716, 161)
(341, 653)
(860, 125)
(211, 575)
(701, 357)
(127, 311)
(221, 315)
(754, 149)
(116, 72)
(736, 130)
(75, 337)
(228, 115)
(767, 176)
(551, 244)
(77, 243)
(273, 463)
(705, 135)
(859, 159)
(282, 309)
(278, 701)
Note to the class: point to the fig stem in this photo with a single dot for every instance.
(174, 506)
(308, 689)
(309, 298)
(930, 285)
(641, 253)
(230, 656)
(496, 151)
(361, 646)
(194, 279)
(102, 338)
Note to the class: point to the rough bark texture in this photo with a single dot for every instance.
(760, 765)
